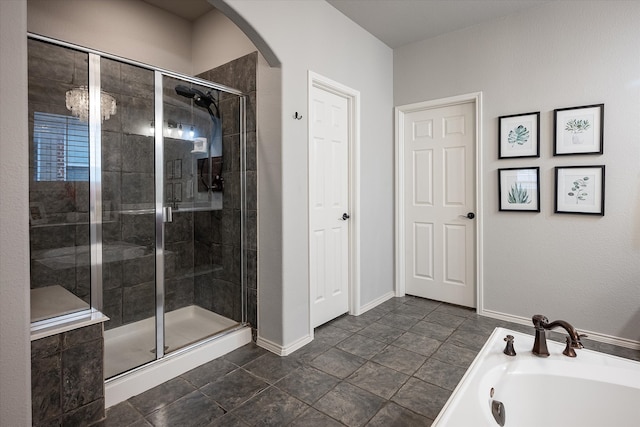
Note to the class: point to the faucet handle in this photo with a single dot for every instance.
(509, 350)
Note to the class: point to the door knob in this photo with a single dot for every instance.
(471, 215)
(345, 216)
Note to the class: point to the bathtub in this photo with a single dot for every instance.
(592, 390)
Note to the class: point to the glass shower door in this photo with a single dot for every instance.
(200, 297)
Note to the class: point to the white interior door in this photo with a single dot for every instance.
(439, 203)
(329, 205)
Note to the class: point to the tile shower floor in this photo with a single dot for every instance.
(395, 365)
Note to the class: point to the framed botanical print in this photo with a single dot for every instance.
(579, 130)
(519, 189)
(580, 190)
(519, 135)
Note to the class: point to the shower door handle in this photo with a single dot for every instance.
(167, 214)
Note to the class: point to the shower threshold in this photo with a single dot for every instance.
(129, 346)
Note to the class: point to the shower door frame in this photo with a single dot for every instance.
(95, 199)
(160, 212)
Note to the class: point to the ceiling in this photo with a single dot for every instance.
(394, 22)
(399, 22)
(186, 9)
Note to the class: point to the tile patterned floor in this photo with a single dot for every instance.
(395, 365)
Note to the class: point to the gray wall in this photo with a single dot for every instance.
(207, 50)
(15, 396)
(136, 30)
(315, 36)
(580, 268)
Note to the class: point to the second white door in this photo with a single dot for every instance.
(439, 203)
(329, 205)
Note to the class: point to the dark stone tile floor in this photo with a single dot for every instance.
(395, 365)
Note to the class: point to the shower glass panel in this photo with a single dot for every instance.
(128, 218)
(58, 183)
(202, 247)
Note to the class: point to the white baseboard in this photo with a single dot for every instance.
(139, 380)
(595, 336)
(287, 350)
(376, 302)
(506, 317)
(283, 350)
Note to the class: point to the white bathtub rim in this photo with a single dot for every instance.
(464, 383)
(593, 336)
(491, 354)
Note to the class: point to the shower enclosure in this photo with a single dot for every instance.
(137, 202)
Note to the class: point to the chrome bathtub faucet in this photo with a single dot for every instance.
(541, 324)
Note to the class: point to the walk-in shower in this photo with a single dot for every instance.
(140, 215)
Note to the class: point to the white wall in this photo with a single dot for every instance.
(216, 40)
(312, 35)
(130, 29)
(15, 350)
(579, 268)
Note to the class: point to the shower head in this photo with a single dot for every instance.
(200, 98)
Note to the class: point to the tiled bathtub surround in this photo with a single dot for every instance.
(67, 386)
(395, 365)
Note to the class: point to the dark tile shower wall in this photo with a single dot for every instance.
(221, 291)
(67, 386)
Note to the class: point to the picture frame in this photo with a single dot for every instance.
(519, 189)
(519, 135)
(579, 190)
(578, 130)
(37, 214)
